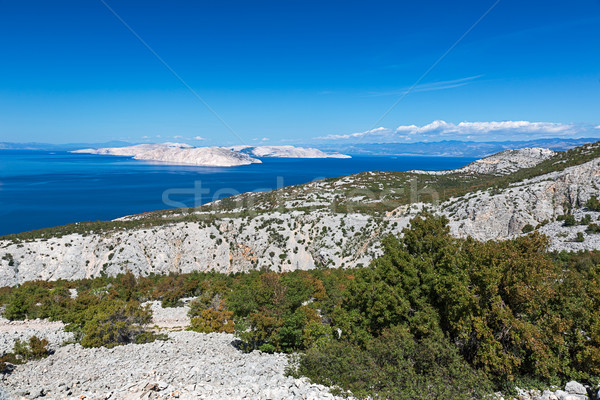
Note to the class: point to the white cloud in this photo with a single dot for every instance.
(199, 138)
(598, 127)
(265, 139)
(442, 130)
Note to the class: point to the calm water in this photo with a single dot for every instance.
(41, 189)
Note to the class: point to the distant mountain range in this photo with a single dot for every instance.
(454, 148)
(450, 148)
(59, 147)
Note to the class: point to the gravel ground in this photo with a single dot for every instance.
(10, 331)
(189, 366)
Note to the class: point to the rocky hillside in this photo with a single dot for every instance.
(178, 153)
(334, 222)
(493, 214)
(189, 365)
(502, 163)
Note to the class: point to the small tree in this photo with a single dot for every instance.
(115, 322)
(35, 349)
(593, 204)
(570, 220)
(528, 228)
(211, 320)
(593, 228)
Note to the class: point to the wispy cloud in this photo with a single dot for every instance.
(371, 132)
(199, 138)
(442, 130)
(429, 87)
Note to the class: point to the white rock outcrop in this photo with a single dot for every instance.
(503, 163)
(286, 152)
(177, 153)
(275, 241)
(486, 215)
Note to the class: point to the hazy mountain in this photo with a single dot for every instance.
(59, 147)
(453, 148)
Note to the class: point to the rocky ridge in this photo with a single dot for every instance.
(303, 230)
(487, 215)
(178, 153)
(285, 152)
(502, 163)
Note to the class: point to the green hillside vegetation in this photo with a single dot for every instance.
(465, 317)
(383, 192)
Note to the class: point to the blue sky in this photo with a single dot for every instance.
(298, 72)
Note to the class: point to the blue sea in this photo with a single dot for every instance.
(41, 189)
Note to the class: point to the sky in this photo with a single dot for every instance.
(297, 72)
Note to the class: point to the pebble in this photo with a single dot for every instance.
(188, 366)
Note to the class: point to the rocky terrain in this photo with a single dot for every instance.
(491, 214)
(502, 163)
(285, 152)
(299, 227)
(180, 153)
(188, 365)
(177, 153)
(275, 241)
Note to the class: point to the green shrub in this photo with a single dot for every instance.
(593, 204)
(579, 237)
(395, 365)
(570, 220)
(211, 320)
(113, 323)
(34, 349)
(528, 228)
(593, 228)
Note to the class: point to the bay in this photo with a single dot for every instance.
(40, 189)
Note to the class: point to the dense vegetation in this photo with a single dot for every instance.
(434, 317)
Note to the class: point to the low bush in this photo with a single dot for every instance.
(528, 228)
(570, 220)
(593, 228)
(114, 323)
(34, 349)
(211, 320)
(593, 204)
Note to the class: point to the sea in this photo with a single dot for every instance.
(40, 189)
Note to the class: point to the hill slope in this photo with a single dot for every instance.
(334, 222)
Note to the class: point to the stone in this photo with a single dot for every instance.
(575, 387)
(562, 395)
(161, 370)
